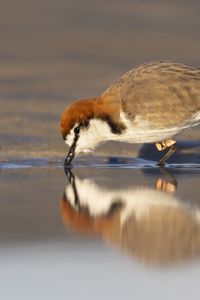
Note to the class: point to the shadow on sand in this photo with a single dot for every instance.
(188, 152)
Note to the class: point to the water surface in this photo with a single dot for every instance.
(111, 228)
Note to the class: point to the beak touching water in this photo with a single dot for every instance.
(70, 156)
(72, 150)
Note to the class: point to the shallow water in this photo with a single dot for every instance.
(109, 228)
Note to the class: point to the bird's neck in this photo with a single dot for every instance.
(108, 111)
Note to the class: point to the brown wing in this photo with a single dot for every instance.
(155, 91)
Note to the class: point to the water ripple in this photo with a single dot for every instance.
(98, 162)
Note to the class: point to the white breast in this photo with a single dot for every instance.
(139, 131)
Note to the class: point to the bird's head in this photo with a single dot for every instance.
(74, 126)
(87, 122)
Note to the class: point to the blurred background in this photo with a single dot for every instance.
(53, 52)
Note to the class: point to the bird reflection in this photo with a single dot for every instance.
(150, 224)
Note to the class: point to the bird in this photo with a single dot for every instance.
(151, 103)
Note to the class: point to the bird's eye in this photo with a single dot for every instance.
(77, 130)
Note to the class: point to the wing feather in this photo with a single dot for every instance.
(166, 94)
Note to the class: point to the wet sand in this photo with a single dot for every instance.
(122, 228)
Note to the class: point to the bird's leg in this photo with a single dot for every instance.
(171, 144)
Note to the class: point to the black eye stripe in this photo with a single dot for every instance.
(76, 132)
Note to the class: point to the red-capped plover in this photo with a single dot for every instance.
(151, 103)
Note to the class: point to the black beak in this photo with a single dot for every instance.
(70, 155)
(72, 150)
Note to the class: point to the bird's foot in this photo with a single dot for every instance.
(171, 144)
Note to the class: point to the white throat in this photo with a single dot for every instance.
(98, 131)
(137, 131)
